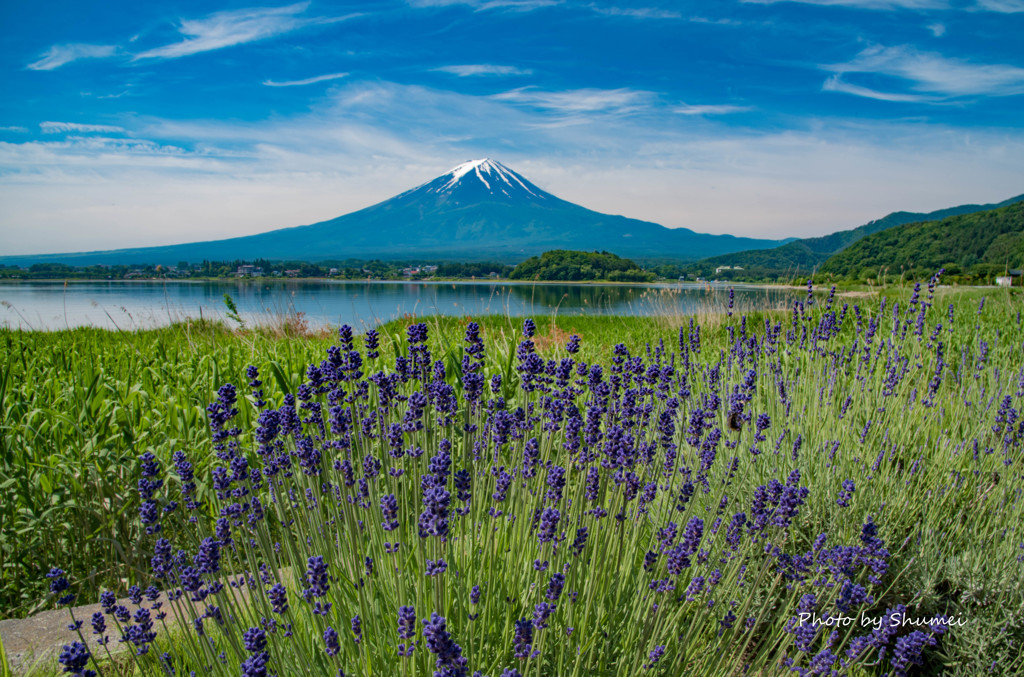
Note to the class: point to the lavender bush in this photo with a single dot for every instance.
(710, 507)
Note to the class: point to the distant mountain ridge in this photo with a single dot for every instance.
(479, 210)
(802, 256)
(988, 238)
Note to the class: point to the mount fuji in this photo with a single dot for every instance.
(480, 210)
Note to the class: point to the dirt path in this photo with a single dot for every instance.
(36, 642)
(33, 644)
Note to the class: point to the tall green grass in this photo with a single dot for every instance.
(79, 407)
(76, 409)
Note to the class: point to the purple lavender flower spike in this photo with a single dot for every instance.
(548, 524)
(523, 640)
(406, 629)
(450, 661)
(331, 642)
(74, 657)
(845, 494)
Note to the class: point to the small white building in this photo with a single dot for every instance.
(1004, 281)
(249, 270)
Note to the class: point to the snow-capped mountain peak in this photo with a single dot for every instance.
(483, 179)
(483, 170)
(480, 210)
(473, 165)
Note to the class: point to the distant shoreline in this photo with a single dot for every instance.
(669, 284)
(842, 288)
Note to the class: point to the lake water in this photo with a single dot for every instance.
(144, 304)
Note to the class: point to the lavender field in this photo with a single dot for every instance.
(831, 490)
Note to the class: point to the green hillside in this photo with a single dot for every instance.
(802, 256)
(970, 245)
(574, 265)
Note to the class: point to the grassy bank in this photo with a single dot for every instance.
(932, 454)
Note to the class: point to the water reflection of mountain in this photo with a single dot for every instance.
(360, 303)
(383, 300)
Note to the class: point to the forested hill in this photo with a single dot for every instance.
(802, 256)
(979, 243)
(567, 265)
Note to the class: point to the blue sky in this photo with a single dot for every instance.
(127, 124)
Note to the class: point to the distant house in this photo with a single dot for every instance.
(292, 273)
(332, 272)
(1007, 280)
(721, 268)
(249, 271)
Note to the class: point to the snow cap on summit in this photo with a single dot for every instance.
(486, 171)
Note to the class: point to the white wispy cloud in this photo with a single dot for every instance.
(616, 101)
(835, 83)
(1003, 6)
(481, 5)
(59, 55)
(637, 12)
(865, 4)
(236, 27)
(64, 127)
(307, 81)
(187, 180)
(530, 5)
(937, 29)
(708, 109)
(468, 70)
(927, 73)
(14, 128)
(714, 22)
